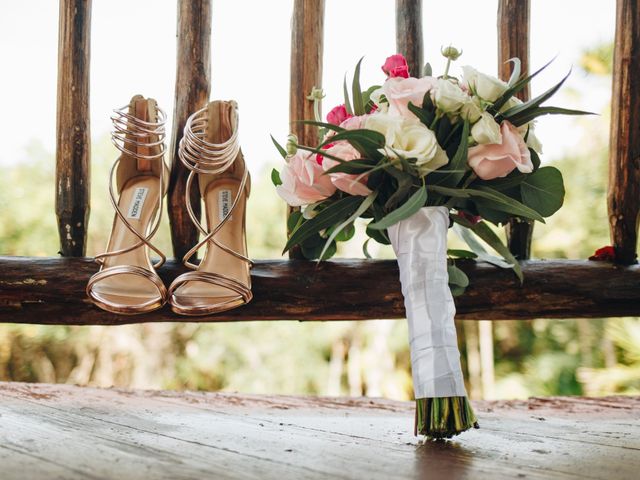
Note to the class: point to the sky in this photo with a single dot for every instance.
(250, 60)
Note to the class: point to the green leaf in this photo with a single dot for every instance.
(282, 151)
(502, 202)
(332, 214)
(366, 97)
(275, 177)
(458, 163)
(411, 206)
(295, 220)
(353, 167)
(423, 115)
(379, 236)
(366, 203)
(543, 191)
(346, 234)
(358, 105)
(535, 159)
(457, 253)
(519, 85)
(482, 230)
(457, 276)
(535, 102)
(524, 118)
(361, 135)
(405, 181)
(329, 126)
(347, 103)
(456, 291)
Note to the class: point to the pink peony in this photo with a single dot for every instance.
(338, 114)
(498, 160)
(396, 66)
(303, 181)
(348, 183)
(401, 91)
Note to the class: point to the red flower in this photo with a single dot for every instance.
(320, 158)
(396, 66)
(338, 114)
(604, 254)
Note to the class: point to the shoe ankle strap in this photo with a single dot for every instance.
(201, 156)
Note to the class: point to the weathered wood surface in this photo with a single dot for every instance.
(409, 40)
(513, 41)
(624, 165)
(307, 47)
(51, 291)
(62, 431)
(73, 139)
(193, 86)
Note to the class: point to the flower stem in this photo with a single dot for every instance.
(444, 417)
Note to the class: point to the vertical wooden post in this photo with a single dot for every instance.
(409, 34)
(193, 86)
(513, 41)
(73, 139)
(624, 162)
(307, 42)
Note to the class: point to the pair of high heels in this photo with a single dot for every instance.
(127, 282)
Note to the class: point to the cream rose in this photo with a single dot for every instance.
(410, 139)
(449, 97)
(485, 86)
(471, 110)
(486, 130)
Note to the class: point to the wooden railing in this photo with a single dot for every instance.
(51, 290)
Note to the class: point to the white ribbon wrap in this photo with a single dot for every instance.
(420, 244)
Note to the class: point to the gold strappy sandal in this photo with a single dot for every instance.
(210, 149)
(127, 282)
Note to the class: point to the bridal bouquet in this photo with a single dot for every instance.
(412, 156)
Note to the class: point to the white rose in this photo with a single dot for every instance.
(471, 110)
(414, 140)
(486, 130)
(449, 96)
(485, 86)
(387, 125)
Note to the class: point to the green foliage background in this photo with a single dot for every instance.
(506, 360)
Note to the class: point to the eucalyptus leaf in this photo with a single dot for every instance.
(517, 67)
(524, 118)
(515, 88)
(458, 253)
(543, 191)
(334, 213)
(275, 177)
(411, 206)
(366, 203)
(457, 276)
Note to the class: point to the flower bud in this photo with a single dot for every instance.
(292, 144)
(451, 53)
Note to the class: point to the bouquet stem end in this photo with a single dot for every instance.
(444, 417)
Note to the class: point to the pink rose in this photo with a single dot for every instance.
(338, 114)
(498, 160)
(303, 181)
(354, 123)
(348, 183)
(396, 66)
(401, 91)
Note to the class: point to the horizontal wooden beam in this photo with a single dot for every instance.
(51, 291)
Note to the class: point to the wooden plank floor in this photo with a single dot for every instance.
(67, 432)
